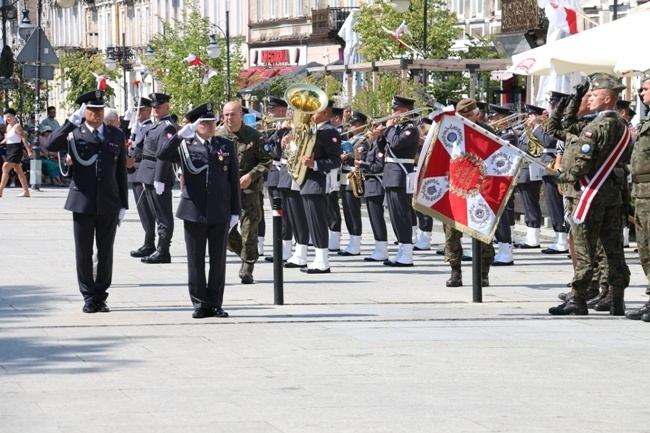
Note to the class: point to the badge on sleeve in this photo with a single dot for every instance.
(407, 132)
(588, 134)
(585, 148)
(267, 147)
(335, 140)
(380, 155)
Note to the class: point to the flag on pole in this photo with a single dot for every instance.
(193, 60)
(563, 15)
(101, 81)
(197, 61)
(467, 176)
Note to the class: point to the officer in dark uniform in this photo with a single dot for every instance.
(400, 141)
(145, 212)
(326, 156)
(209, 206)
(157, 177)
(98, 194)
(351, 203)
(277, 107)
(372, 167)
(333, 208)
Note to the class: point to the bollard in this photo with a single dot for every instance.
(278, 276)
(477, 274)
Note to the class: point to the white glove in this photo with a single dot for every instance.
(129, 112)
(188, 130)
(159, 186)
(78, 115)
(234, 219)
(136, 132)
(120, 216)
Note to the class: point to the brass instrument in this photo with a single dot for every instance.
(355, 177)
(305, 100)
(534, 146)
(511, 121)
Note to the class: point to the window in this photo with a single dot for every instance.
(477, 8)
(458, 6)
(272, 9)
(285, 9)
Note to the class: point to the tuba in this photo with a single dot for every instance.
(355, 178)
(304, 100)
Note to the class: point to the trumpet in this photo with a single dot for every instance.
(513, 121)
(266, 120)
(373, 123)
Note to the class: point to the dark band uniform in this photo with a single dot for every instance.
(210, 197)
(372, 168)
(151, 170)
(98, 191)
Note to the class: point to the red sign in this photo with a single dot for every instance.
(274, 57)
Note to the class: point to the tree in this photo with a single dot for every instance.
(377, 103)
(77, 69)
(180, 38)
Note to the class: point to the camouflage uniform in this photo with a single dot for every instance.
(454, 250)
(583, 157)
(641, 192)
(253, 160)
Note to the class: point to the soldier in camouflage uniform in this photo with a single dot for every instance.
(641, 191)
(584, 157)
(254, 161)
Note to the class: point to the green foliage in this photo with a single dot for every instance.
(277, 86)
(330, 85)
(378, 45)
(190, 35)
(377, 103)
(77, 71)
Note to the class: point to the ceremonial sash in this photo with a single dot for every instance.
(590, 187)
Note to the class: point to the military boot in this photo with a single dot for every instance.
(638, 314)
(456, 279)
(595, 296)
(485, 280)
(147, 248)
(605, 303)
(573, 306)
(161, 255)
(618, 305)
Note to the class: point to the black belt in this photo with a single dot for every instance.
(149, 157)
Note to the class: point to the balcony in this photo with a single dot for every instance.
(326, 23)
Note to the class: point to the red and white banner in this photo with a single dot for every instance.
(466, 176)
(563, 15)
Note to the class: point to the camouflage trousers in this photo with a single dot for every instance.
(603, 222)
(454, 250)
(244, 244)
(601, 268)
(642, 221)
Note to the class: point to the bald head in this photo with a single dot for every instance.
(233, 116)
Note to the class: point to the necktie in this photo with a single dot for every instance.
(96, 134)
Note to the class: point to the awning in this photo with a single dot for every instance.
(263, 76)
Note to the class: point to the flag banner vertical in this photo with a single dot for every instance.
(467, 176)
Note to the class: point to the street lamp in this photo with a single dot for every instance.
(214, 50)
(124, 55)
(26, 27)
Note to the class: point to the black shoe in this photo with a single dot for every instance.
(440, 252)
(218, 312)
(646, 317)
(618, 306)
(466, 258)
(573, 306)
(594, 296)
(315, 271)
(456, 279)
(333, 250)
(247, 277)
(268, 259)
(552, 251)
(346, 254)
(101, 307)
(290, 265)
(639, 313)
(202, 313)
(510, 263)
(525, 246)
(157, 257)
(400, 265)
(143, 251)
(90, 307)
(370, 259)
(388, 262)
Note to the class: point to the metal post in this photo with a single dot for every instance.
(35, 166)
(4, 45)
(477, 271)
(228, 51)
(424, 41)
(278, 275)
(615, 10)
(126, 90)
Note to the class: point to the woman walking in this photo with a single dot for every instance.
(16, 141)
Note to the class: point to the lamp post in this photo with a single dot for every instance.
(124, 54)
(214, 50)
(9, 12)
(149, 54)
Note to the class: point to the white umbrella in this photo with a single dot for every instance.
(612, 47)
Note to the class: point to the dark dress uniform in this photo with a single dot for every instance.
(151, 170)
(327, 156)
(98, 191)
(373, 193)
(334, 220)
(211, 197)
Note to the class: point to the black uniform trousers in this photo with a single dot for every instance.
(555, 204)
(295, 213)
(162, 209)
(287, 230)
(206, 294)
(333, 211)
(87, 230)
(261, 226)
(503, 233)
(530, 196)
(375, 206)
(352, 212)
(147, 218)
(400, 212)
(315, 208)
(425, 222)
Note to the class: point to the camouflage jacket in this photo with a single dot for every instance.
(252, 156)
(641, 159)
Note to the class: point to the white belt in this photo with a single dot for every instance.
(400, 160)
(549, 151)
(373, 175)
(284, 161)
(278, 163)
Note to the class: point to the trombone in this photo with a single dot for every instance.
(517, 119)
(372, 123)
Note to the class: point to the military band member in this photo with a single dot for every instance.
(401, 140)
(326, 156)
(425, 222)
(158, 177)
(98, 194)
(351, 203)
(134, 157)
(209, 206)
(253, 161)
(333, 208)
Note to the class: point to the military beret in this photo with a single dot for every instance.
(203, 112)
(158, 99)
(601, 80)
(531, 109)
(556, 96)
(498, 109)
(276, 102)
(337, 111)
(466, 105)
(401, 101)
(91, 99)
(358, 116)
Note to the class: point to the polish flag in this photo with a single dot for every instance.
(193, 60)
(562, 14)
(101, 81)
(209, 73)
